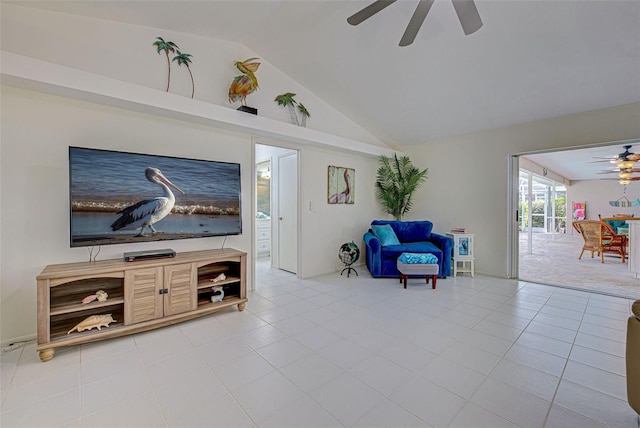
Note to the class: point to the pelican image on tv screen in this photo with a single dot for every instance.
(120, 197)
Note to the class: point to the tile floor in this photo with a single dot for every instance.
(338, 352)
(554, 261)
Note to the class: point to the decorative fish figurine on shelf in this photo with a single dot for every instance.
(94, 321)
(245, 84)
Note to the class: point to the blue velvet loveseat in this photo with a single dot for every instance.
(413, 237)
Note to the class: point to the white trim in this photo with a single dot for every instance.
(17, 342)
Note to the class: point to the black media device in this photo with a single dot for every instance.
(133, 256)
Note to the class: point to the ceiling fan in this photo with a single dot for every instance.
(466, 10)
(624, 160)
(625, 163)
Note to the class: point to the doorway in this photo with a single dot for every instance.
(276, 217)
(542, 225)
(543, 246)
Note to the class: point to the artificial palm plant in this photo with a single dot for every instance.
(304, 113)
(288, 100)
(396, 181)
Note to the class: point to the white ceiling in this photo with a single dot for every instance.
(584, 164)
(531, 60)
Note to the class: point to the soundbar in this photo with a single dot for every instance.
(149, 254)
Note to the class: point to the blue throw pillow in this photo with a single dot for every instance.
(385, 234)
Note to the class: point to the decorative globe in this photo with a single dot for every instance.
(349, 253)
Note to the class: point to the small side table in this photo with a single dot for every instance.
(463, 255)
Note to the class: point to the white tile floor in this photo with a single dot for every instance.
(334, 352)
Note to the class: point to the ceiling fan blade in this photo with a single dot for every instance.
(468, 15)
(416, 22)
(369, 11)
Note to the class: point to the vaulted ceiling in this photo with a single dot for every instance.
(531, 60)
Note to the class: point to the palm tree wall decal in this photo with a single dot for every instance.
(185, 58)
(167, 47)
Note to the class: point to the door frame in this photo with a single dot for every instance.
(282, 145)
(513, 241)
(513, 235)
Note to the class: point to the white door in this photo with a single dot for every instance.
(288, 212)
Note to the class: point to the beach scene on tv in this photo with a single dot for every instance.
(120, 197)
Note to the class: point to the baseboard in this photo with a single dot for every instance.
(15, 343)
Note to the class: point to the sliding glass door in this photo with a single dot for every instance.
(543, 204)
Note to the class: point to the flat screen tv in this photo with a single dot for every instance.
(120, 197)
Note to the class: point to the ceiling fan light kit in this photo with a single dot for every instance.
(465, 9)
(625, 164)
(625, 175)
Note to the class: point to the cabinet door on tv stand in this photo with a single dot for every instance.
(143, 298)
(180, 281)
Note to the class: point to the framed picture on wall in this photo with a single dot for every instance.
(579, 211)
(340, 185)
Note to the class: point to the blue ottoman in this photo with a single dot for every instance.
(418, 264)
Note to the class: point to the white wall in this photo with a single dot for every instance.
(467, 183)
(326, 227)
(598, 193)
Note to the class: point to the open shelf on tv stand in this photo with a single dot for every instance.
(141, 296)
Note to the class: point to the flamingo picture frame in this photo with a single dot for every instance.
(341, 185)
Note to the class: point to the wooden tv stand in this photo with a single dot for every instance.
(142, 295)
